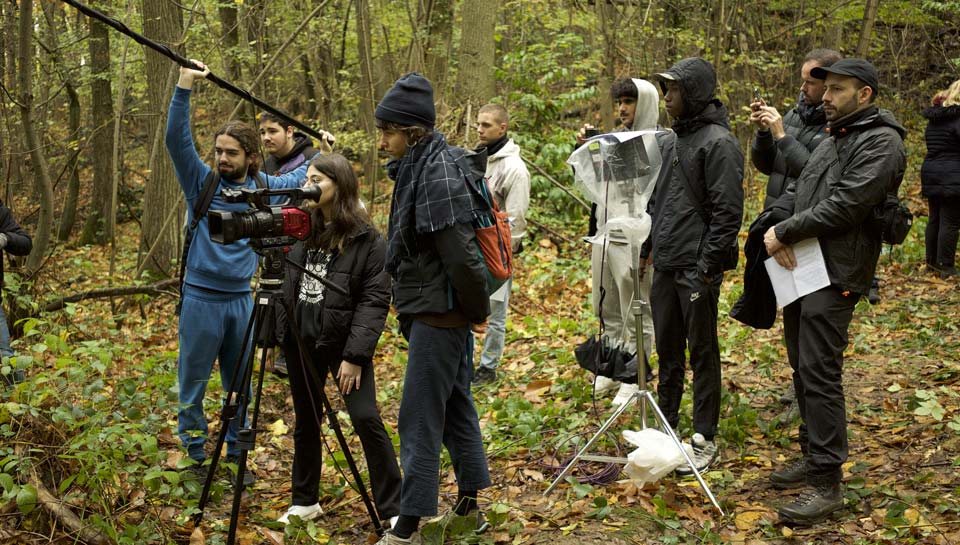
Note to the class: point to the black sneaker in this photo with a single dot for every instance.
(280, 364)
(484, 375)
(813, 505)
(15, 377)
(196, 471)
(794, 475)
(248, 478)
(704, 454)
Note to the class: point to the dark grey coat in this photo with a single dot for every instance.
(783, 160)
(940, 173)
(834, 198)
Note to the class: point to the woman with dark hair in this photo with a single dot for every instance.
(339, 334)
(940, 180)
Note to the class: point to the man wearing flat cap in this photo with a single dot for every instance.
(846, 178)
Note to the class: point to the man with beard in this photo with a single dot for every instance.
(697, 208)
(216, 302)
(782, 145)
(833, 200)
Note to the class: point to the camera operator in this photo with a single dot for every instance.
(340, 333)
(216, 286)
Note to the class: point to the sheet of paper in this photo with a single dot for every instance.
(808, 276)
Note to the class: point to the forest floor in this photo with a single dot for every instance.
(901, 378)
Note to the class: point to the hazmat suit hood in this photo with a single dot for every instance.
(648, 106)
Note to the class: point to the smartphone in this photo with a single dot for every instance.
(591, 132)
(756, 95)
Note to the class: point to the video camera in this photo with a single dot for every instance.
(265, 220)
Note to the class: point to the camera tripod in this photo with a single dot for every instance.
(267, 300)
(644, 398)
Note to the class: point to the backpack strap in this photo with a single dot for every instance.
(210, 185)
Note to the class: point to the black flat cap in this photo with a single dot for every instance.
(857, 68)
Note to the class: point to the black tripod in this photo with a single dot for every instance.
(267, 300)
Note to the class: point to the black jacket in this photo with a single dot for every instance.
(713, 163)
(940, 173)
(834, 198)
(18, 241)
(783, 160)
(351, 324)
(302, 151)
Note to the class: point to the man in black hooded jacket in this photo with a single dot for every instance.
(697, 209)
(833, 200)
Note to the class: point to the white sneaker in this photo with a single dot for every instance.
(704, 454)
(305, 512)
(603, 385)
(625, 394)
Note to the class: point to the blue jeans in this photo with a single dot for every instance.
(437, 409)
(5, 349)
(496, 327)
(212, 326)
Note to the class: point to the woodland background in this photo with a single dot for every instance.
(83, 167)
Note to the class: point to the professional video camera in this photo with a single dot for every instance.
(265, 220)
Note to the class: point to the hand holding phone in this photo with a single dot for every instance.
(757, 99)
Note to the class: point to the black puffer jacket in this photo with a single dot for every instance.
(784, 159)
(352, 324)
(713, 162)
(940, 174)
(836, 194)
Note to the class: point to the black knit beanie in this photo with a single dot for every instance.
(409, 102)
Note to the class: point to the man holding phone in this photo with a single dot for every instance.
(782, 145)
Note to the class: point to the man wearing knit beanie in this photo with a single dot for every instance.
(439, 292)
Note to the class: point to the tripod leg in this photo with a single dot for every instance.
(311, 373)
(647, 397)
(231, 407)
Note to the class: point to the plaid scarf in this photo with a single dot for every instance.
(430, 193)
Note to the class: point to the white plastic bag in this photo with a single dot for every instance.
(655, 456)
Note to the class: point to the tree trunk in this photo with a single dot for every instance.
(53, 10)
(163, 22)
(440, 36)
(10, 39)
(866, 31)
(475, 74)
(230, 37)
(607, 31)
(96, 228)
(367, 101)
(41, 176)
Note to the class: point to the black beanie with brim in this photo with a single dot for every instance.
(408, 103)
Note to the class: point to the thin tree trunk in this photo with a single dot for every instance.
(10, 37)
(371, 162)
(41, 176)
(68, 217)
(866, 31)
(607, 31)
(96, 228)
(163, 22)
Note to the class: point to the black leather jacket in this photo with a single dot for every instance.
(834, 198)
(783, 160)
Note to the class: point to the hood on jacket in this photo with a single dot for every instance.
(867, 118)
(648, 106)
(697, 79)
(300, 143)
(938, 114)
(510, 149)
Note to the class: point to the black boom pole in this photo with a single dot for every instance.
(182, 61)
